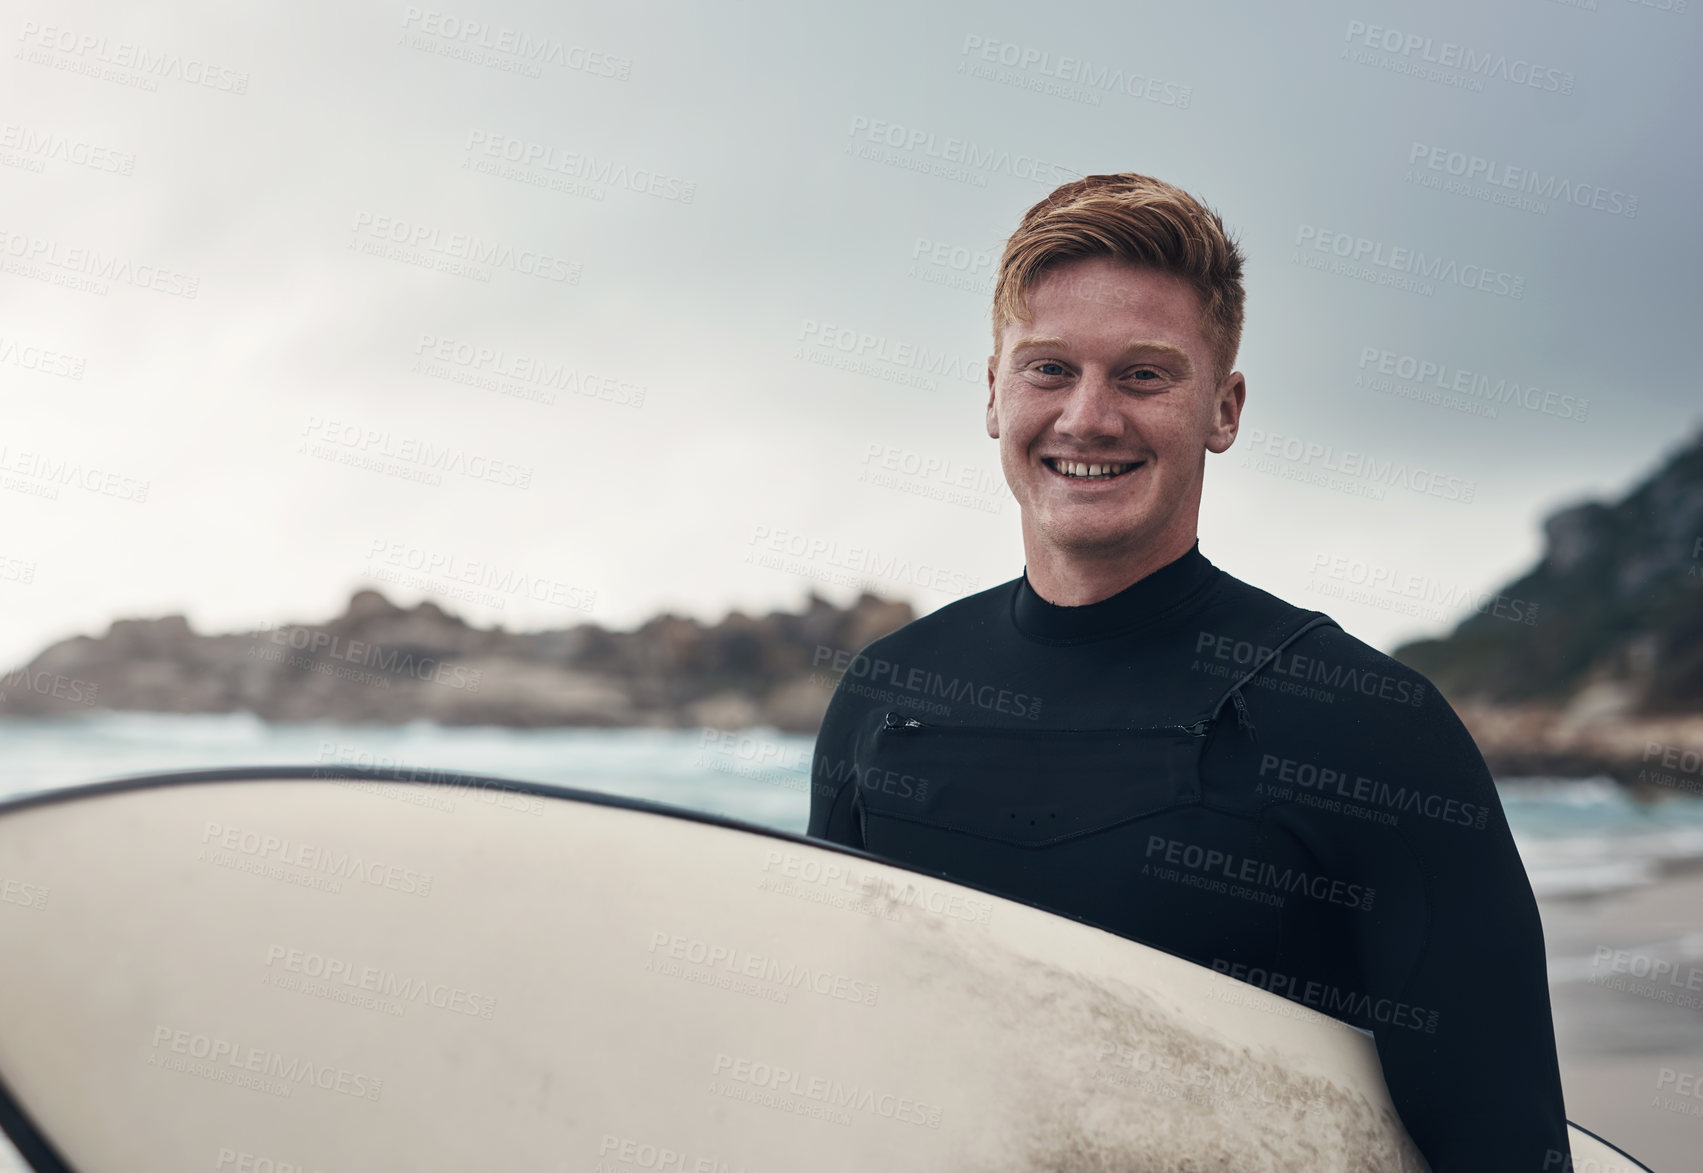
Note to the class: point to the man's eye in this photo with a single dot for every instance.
(1059, 371)
(1144, 375)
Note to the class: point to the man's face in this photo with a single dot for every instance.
(1112, 368)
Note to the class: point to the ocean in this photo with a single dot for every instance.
(1577, 837)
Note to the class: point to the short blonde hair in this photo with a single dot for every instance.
(1133, 218)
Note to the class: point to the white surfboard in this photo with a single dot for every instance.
(312, 971)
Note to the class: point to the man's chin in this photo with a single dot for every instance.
(1094, 537)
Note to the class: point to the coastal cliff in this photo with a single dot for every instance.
(1610, 677)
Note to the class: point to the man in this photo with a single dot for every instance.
(1128, 735)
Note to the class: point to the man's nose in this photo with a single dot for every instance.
(1091, 408)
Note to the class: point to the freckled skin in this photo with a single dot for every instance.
(1096, 398)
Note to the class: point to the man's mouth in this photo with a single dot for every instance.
(1078, 470)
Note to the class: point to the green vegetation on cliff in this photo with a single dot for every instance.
(1620, 597)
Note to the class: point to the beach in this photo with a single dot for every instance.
(1626, 989)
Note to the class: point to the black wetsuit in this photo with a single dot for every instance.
(1197, 765)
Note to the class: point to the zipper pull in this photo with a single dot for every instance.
(900, 721)
(1243, 722)
(1198, 729)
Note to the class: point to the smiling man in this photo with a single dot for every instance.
(1128, 735)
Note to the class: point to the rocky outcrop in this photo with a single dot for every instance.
(1619, 597)
(1609, 679)
(1651, 755)
(378, 662)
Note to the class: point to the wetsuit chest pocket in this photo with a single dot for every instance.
(1030, 787)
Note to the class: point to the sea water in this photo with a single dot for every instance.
(1576, 836)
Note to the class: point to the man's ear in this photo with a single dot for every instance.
(993, 416)
(1227, 412)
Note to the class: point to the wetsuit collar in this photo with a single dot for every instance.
(1147, 600)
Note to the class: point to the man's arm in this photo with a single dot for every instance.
(833, 773)
(1481, 1090)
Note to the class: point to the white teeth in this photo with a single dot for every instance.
(1076, 468)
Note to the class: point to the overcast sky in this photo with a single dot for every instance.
(726, 301)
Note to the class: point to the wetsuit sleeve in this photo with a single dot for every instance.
(1482, 1091)
(833, 773)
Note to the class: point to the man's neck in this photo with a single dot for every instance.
(1076, 582)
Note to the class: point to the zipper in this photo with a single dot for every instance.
(1243, 721)
(897, 721)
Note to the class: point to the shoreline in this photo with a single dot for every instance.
(1624, 1040)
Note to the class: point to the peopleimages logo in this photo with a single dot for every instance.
(23, 894)
(37, 358)
(1331, 999)
(1525, 180)
(494, 368)
(333, 862)
(331, 435)
(952, 150)
(462, 246)
(1460, 58)
(927, 682)
(370, 979)
(573, 165)
(890, 898)
(1247, 870)
(936, 477)
(513, 49)
(1499, 390)
(735, 960)
(394, 660)
(862, 352)
(780, 549)
(1358, 788)
(1421, 588)
(833, 1092)
(226, 1061)
(89, 269)
(1076, 71)
(1375, 471)
(42, 145)
(43, 683)
(243, 1161)
(1411, 262)
(92, 50)
(43, 475)
(1244, 653)
(954, 266)
(495, 584)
